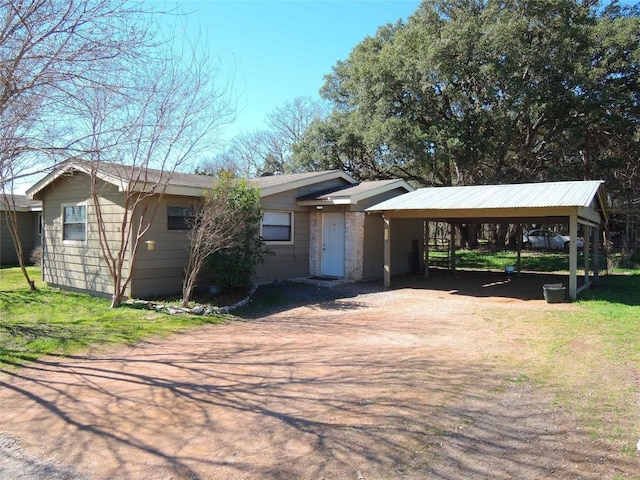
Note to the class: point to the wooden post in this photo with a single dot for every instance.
(387, 252)
(452, 248)
(519, 247)
(426, 248)
(585, 252)
(596, 255)
(573, 258)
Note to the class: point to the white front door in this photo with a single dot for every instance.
(333, 244)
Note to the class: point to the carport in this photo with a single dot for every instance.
(574, 203)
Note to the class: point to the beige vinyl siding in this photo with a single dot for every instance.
(374, 236)
(373, 257)
(160, 271)
(79, 265)
(26, 224)
(404, 232)
(287, 261)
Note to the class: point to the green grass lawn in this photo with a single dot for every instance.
(531, 260)
(590, 357)
(52, 321)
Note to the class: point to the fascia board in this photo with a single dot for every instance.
(471, 214)
(589, 214)
(71, 167)
(46, 180)
(331, 201)
(182, 190)
(21, 209)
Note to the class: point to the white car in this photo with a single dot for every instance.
(547, 239)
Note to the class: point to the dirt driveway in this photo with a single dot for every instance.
(402, 384)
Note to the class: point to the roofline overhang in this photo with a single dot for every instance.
(70, 168)
(340, 199)
(303, 182)
(23, 208)
(498, 215)
(178, 190)
(333, 201)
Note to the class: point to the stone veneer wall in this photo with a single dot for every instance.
(315, 243)
(354, 245)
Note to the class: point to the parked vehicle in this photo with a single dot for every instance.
(546, 239)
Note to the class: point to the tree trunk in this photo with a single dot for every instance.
(586, 158)
(473, 236)
(503, 229)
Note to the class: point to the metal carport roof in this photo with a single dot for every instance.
(500, 202)
(574, 202)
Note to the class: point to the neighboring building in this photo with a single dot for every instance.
(28, 215)
(314, 224)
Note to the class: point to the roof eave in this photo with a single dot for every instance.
(32, 191)
(356, 197)
(326, 202)
(303, 182)
(382, 189)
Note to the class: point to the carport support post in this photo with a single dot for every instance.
(585, 253)
(596, 254)
(452, 248)
(426, 248)
(519, 247)
(387, 251)
(573, 258)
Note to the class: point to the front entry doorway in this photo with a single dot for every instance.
(333, 244)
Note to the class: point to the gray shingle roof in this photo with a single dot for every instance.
(181, 183)
(22, 202)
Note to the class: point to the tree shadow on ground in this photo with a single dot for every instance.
(283, 410)
(482, 284)
(279, 297)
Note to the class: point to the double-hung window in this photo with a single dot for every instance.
(277, 227)
(74, 223)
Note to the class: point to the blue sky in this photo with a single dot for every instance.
(280, 50)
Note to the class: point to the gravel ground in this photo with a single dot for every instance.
(351, 382)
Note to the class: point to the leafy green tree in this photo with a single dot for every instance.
(239, 221)
(472, 92)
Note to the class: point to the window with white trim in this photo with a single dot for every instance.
(277, 227)
(180, 218)
(74, 223)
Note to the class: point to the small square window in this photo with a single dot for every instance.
(277, 227)
(179, 218)
(74, 223)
